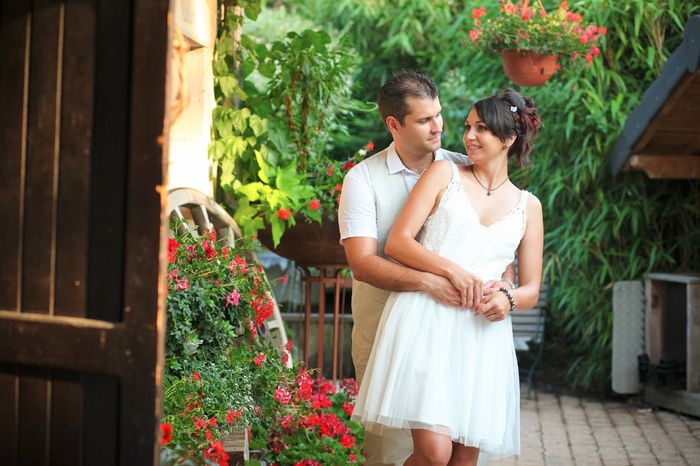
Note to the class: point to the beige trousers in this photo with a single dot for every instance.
(393, 446)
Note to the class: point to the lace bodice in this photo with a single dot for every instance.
(454, 231)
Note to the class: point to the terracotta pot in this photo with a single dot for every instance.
(528, 68)
(308, 243)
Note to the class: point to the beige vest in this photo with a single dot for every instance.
(390, 194)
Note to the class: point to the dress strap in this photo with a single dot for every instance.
(455, 174)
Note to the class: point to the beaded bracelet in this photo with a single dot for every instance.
(510, 298)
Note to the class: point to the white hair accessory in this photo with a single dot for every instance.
(513, 108)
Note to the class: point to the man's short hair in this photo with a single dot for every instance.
(400, 85)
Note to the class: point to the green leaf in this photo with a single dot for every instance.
(266, 170)
(228, 84)
(278, 227)
(251, 190)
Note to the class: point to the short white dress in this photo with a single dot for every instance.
(442, 368)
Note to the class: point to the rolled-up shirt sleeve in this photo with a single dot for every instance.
(357, 212)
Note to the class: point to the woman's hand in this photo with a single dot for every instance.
(494, 306)
(468, 285)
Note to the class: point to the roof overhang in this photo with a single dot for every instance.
(662, 135)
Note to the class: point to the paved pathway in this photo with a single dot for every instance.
(563, 430)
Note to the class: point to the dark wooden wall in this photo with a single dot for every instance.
(82, 111)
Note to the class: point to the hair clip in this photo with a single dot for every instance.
(513, 108)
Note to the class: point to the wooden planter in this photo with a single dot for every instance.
(308, 243)
(528, 68)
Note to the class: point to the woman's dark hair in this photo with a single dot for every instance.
(509, 113)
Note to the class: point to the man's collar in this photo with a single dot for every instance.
(394, 163)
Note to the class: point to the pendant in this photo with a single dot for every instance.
(488, 193)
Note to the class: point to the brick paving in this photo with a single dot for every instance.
(563, 430)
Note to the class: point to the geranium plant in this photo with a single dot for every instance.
(523, 27)
(312, 424)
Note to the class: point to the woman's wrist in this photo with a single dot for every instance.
(509, 296)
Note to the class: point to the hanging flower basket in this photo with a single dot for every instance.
(308, 243)
(533, 42)
(528, 68)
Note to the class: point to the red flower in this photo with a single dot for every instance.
(172, 249)
(285, 358)
(478, 13)
(339, 187)
(574, 17)
(348, 408)
(314, 204)
(288, 346)
(284, 213)
(370, 144)
(283, 279)
(595, 51)
(320, 401)
(589, 57)
(347, 441)
(216, 452)
(166, 433)
(196, 377)
(602, 30)
(564, 6)
(208, 250)
(259, 359)
(348, 165)
(239, 264)
(172, 275)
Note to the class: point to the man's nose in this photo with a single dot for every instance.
(435, 126)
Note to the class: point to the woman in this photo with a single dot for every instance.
(450, 375)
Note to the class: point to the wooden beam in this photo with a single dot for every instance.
(66, 343)
(679, 167)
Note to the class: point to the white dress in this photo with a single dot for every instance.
(443, 368)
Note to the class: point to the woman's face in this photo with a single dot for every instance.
(480, 143)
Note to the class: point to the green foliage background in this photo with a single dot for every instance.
(599, 228)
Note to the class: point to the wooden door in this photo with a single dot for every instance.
(82, 112)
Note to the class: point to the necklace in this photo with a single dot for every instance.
(488, 190)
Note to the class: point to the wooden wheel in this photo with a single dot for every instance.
(202, 214)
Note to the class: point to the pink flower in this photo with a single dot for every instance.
(283, 395)
(182, 284)
(370, 146)
(602, 30)
(232, 298)
(314, 204)
(589, 57)
(474, 34)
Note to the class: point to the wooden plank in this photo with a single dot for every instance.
(74, 165)
(14, 37)
(66, 439)
(9, 395)
(146, 232)
(693, 338)
(677, 400)
(108, 161)
(99, 344)
(653, 320)
(39, 208)
(667, 166)
(33, 435)
(101, 420)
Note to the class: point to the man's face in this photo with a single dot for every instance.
(422, 127)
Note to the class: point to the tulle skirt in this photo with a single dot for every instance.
(443, 369)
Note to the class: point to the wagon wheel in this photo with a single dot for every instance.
(201, 214)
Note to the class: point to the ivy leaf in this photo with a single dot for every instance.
(288, 178)
(228, 84)
(258, 125)
(267, 69)
(239, 118)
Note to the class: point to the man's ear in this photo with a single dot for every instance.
(392, 123)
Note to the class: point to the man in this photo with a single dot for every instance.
(373, 194)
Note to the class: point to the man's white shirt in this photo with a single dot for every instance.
(357, 212)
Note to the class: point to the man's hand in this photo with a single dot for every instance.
(442, 290)
(496, 284)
